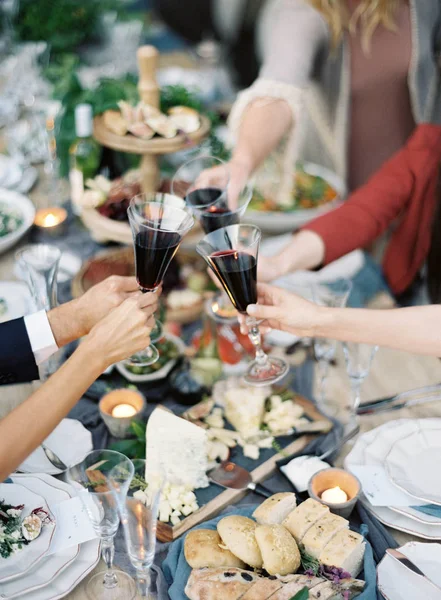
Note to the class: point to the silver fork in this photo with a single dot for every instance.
(54, 459)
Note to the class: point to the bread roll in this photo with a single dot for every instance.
(263, 588)
(321, 533)
(346, 551)
(219, 584)
(275, 509)
(201, 549)
(303, 517)
(238, 535)
(279, 550)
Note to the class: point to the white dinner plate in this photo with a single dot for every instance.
(16, 300)
(70, 441)
(10, 172)
(279, 221)
(413, 464)
(371, 448)
(50, 566)
(25, 206)
(396, 582)
(20, 562)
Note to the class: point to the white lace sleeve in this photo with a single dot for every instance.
(275, 177)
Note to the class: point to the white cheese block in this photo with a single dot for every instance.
(303, 517)
(345, 551)
(177, 449)
(320, 534)
(244, 409)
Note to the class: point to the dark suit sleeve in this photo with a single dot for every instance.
(17, 361)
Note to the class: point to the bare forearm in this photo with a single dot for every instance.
(416, 329)
(264, 124)
(305, 250)
(23, 429)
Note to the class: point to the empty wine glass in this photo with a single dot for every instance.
(334, 295)
(38, 264)
(139, 514)
(158, 223)
(91, 479)
(358, 359)
(231, 253)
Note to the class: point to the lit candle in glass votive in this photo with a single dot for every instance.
(50, 219)
(334, 495)
(124, 410)
(118, 408)
(336, 488)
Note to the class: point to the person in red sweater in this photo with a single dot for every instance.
(404, 190)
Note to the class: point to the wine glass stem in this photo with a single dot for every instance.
(108, 553)
(355, 398)
(323, 367)
(256, 338)
(143, 582)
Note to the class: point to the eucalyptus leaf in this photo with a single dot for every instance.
(138, 429)
(302, 595)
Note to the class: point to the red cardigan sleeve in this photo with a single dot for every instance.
(368, 212)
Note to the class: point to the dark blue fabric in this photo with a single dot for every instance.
(177, 571)
(17, 362)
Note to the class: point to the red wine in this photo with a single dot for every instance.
(202, 198)
(212, 210)
(237, 271)
(153, 253)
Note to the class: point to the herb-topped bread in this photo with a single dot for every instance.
(318, 536)
(345, 551)
(203, 548)
(238, 535)
(279, 550)
(303, 517)
(275, 509)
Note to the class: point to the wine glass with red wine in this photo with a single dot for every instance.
(158, 223)
(231, 253)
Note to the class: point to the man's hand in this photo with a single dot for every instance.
(75, 319)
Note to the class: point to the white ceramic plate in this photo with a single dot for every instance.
(10, 172)
(16, 200)
(156, 375)
(51, 566)
(372, 448)
(17, 298)
(396, 582)
(413, 464)
(280, 222)
(80, 443)
(19, 563)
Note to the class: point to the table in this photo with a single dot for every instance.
(392, 372)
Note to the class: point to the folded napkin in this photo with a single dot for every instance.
(177, 571)
(432, 510)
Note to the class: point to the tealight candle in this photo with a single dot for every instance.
(50, 219)
(124, 410)
(336, 488)
(118, 408)
(334, 495)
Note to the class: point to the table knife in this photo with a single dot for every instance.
(406, 562)
(403, 400)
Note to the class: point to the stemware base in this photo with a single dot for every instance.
(143, 358)
(272, 371)
(124, 590)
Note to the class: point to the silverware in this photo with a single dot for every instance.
(230, 475)
(430, 393)
(406, 562)
(54, 459)
(348, 436)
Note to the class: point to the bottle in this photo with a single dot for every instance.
(206, 366)
(84, 154)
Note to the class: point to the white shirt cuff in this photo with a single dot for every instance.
(40, 336)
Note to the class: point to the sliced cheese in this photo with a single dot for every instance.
(303, 517)
(345, 551)
(176, 449)
(321, 533)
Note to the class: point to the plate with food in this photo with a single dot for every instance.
(316, 190)
(253, 427)
(26, 530)
(15, 300)
(278, 550)
(16, 216)
(170, 348)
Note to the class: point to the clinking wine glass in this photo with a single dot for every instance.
(158, 223)
(358, 359)
(231, 253)
(91, 479)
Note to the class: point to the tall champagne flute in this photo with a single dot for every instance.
(358, 359)
(231, 253)
(158, 223)
(91, 479)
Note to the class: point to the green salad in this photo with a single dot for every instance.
(10, 219)
(168, 351)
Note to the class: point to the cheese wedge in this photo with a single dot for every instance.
(303, 517)
(321, 533)
(345, 551)
(176, 449)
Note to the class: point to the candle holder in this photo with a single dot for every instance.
(51, 221)
(119, 408)
(328, 479)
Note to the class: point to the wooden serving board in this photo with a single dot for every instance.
(213, 499)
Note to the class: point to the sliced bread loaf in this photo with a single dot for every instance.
(275, 509)
(321, 533)
(303, 517)
(346, 551)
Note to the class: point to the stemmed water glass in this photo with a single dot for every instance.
(100, 500)
(358, 359)
(231, 253)
(139, 513)
(333, 295)
(158, 223)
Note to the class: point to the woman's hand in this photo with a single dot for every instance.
(125, 330)
(279, 309)
(239, 174)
